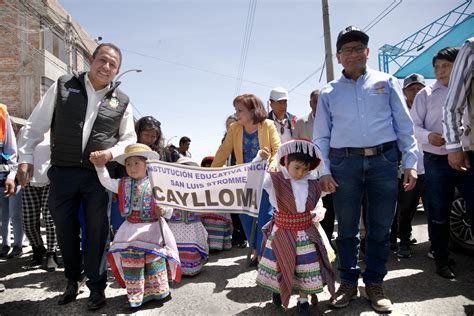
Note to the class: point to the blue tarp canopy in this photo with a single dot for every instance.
(422, 64)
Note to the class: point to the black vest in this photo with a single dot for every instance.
(68, 122)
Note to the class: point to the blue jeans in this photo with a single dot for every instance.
(11, 209)
(374, 177)
(440, 182)
(264, 216)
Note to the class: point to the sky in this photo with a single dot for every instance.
(189, 52)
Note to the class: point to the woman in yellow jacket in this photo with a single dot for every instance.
(245, 138)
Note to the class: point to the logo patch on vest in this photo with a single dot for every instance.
(113, 103)
(73, 90)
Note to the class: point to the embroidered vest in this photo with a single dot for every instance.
(285, 197)
(136, 196)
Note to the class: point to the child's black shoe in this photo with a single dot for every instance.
(303, 309)
(276, 299)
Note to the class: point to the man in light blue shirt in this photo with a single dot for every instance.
(360, 122)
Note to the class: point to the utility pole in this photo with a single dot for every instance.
(327, 42)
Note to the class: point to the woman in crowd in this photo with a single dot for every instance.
(245, 138)
(148, 131)
(238, 235)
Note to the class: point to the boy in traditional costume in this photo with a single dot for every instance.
(294, 258)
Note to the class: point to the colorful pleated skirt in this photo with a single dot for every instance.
(143, 261)
(307, 270)
(219, 229)
(191, 239)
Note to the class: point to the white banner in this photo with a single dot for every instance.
(235, 189)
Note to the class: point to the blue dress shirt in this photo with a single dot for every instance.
(365, 112)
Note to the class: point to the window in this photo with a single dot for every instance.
(54, 43)
(45, 84)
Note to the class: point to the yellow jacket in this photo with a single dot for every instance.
(267, 137)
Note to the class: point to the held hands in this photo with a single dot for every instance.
(24, 174)
(436, 139)
(101, 157)
(328, 184)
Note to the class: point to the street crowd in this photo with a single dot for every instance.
(367, 152)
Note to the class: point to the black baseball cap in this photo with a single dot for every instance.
(351, 34)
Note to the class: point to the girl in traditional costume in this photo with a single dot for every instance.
(294, 258)
(191, 236)
(143, 256)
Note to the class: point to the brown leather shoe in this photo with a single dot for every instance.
(380, 303)
(345, 293)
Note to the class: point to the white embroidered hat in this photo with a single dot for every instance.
(303, 146)
(140, 150)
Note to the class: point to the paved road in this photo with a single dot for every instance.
(225, 287)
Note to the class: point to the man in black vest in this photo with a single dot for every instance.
(86, 113)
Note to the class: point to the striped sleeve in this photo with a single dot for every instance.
(459, 87)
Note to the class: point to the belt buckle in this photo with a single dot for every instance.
(370, 151)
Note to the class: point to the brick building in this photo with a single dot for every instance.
(39, 42)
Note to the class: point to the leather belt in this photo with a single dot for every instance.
(367, 151)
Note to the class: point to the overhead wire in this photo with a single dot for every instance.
(371, 24)
(375, 18)
(195, 68)
(245, 44)
(366, 29)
